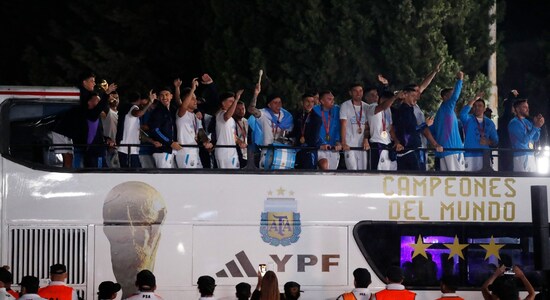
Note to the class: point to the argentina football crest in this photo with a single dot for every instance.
(280, 220)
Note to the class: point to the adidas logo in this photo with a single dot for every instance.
(234, 269)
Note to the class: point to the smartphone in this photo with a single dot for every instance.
(509, 271)
(262, 268)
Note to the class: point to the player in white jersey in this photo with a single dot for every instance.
(189, 130)
(227, 157)
(131, 131)
(146, 284)
(353, 120)
(381, 132)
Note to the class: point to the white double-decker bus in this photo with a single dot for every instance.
(312, 228)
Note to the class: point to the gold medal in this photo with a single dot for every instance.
(327, 138)
(302, 140)
(384, 134)
(359, 130)
(531, 146)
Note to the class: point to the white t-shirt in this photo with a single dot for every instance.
(4, 295)
(379, 122)
(242, 133)
(359, 293)
(270, 130)
(110, 123)
(131, 132)
(225, 130)
(145, 295)
(352, 113)
(419, 115)
(187, 128)
(31, 297)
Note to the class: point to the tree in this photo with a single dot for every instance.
(316, 44)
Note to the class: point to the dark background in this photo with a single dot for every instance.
(140, 44)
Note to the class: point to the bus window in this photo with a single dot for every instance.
(427, 251)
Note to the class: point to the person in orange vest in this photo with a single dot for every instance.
(394, 289)
(58, 289)
(361, 282)
(449, 285)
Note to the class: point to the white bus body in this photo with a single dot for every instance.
(183, 224)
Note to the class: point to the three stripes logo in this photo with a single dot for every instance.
(234, 269)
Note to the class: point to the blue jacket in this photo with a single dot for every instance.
(471, 131)
(522, 132)
(334, 126)
(445, 126)
(406, 128)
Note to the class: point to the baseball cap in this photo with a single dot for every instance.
(206, 281)
(292, 284)
(30, 282)
(145, 279)
(108, 288)
(58, 269)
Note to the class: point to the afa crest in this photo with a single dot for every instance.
(280, 222)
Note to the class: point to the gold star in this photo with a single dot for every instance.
(456, 248)
(269, 193)
(280, 191)
(291, 193)
(420, 247)
(492, 248)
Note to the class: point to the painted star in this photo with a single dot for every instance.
(492, 248)
(280, 191)
(269, 193)
(420, 247)
(456, 248)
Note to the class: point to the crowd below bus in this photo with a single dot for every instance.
(502, 284)
(376, 129)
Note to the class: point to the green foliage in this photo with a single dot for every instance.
(313, 44)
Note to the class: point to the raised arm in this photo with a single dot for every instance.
(252, 106)
(518, 273)
(177, 91)
(231, 110)
(426, 82)
(388, 103)
(140, 112)
(485, 287)
(184, 105)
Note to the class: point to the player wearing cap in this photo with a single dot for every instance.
(394, 289)
(146, 284)
(206, 286)
(108, 290)
(29, 288)
(58, 289)
(292, 290)
(361, 281)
